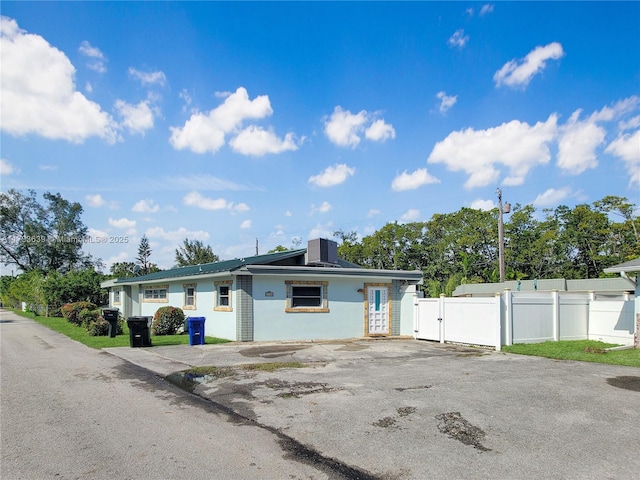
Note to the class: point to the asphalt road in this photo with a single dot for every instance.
(71, 412)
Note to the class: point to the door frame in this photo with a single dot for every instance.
(367, 286)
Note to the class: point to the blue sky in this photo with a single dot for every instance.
(283, 122)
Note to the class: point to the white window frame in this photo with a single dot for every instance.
(186, 287)
(219, 297)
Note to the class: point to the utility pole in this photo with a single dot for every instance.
(507, 209)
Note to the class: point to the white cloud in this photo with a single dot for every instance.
(552, 197)
(486, 8)
(518, 73)
(411, 181)
(627, 147)
(373, 212)
(206, 132)
(480, 204)
(195, 199)
(411, 215)
(379, 131)
(39, 95)
(98, 58)
(577, 144)
(321, 231)
(97, 236)
(145, 206)
(241, 207)
(137, 118)
(332, 175)
(515, 145)
(148, 78)
(47, 167)
(343, 127)
(184, 95)
(123, 223)
(446, 101)
(176, 236)
(95, 200)
(246, 224)
(201, 182)
(458, 39)
(257, 141)
(630, 124)
(324, 207)
(6, 168)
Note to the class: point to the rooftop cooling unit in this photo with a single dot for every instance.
(322, 252)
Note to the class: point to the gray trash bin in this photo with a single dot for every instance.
(111, 316)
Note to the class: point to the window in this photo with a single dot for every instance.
(307, 296)
(155, 294)
(116, 296)
(223, 296)
(189, 296)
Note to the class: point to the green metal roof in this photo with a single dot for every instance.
(278, 258)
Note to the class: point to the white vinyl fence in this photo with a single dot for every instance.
(523, 317)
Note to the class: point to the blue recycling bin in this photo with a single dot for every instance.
(196, 330)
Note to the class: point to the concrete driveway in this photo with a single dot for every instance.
(407, 409)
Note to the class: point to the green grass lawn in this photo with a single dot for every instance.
(61, 325)
(582, 350)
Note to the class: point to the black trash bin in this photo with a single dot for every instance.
(139, 331)
(196, 330)
(111, 316)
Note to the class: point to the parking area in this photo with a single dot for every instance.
(414, 409)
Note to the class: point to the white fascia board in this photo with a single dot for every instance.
(414, 276)
(184, 278)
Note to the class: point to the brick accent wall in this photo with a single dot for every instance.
(395, 310)
(244, 305)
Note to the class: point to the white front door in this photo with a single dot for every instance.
(378, 304)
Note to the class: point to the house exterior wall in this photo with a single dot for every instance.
(406, 311)
(343, 320)
(258, 307)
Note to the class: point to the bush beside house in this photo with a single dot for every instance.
(167, 321)
(88, 315)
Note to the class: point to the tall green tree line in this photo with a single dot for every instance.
(462, 247)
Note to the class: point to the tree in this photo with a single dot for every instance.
(144, 253)
(194, 252)
(45, 237)
(76, 286)
(623, 242)
(123, 270)
(278, 248)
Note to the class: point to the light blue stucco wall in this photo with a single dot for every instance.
(345, 318)
(219, 324)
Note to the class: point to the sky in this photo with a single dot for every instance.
(275, 123)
